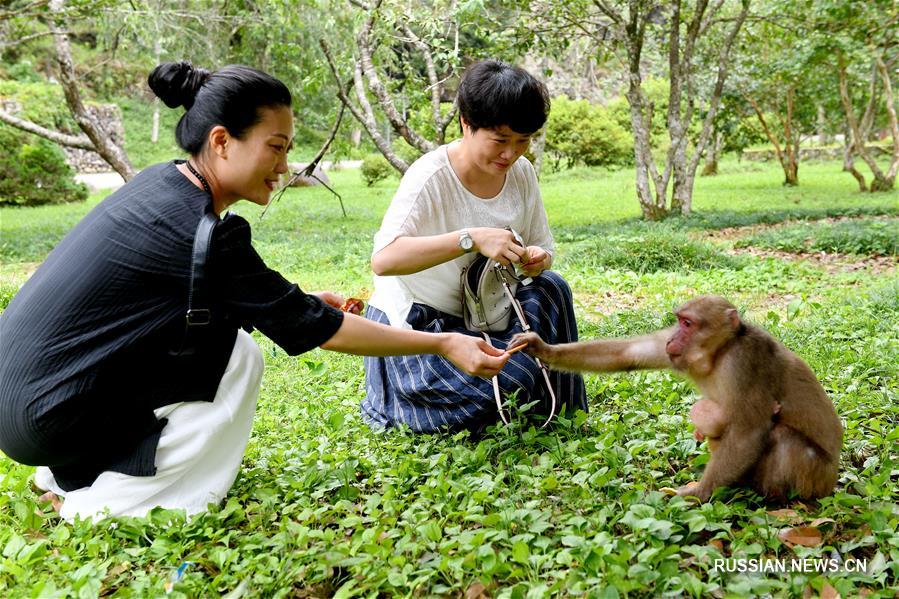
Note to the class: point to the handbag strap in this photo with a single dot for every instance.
(519, 312)
(198, 312)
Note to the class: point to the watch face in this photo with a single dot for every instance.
(466, 242)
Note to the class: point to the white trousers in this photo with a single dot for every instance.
(199, 452)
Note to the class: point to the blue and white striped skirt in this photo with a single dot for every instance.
(429, 393)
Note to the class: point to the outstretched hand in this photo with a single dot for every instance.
(474, 355)
(536, 346)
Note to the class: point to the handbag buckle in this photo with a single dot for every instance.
(198, 317)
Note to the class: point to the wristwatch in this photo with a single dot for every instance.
(465, 241)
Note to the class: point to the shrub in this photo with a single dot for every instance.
(579, 132)
(375, 168)
(34, 171)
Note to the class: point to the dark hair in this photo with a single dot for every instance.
(493, 93)
(231, 97)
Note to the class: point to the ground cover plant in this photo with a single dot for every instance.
(325, 507)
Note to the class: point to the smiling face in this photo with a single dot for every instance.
(254, 164)
(494, 151)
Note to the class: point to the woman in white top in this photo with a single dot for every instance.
(452, 204)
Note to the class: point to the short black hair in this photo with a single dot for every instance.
(231, 96)
(493, 93)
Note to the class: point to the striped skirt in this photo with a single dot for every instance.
(429, 393)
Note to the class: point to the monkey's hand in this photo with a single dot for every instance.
(535, 346)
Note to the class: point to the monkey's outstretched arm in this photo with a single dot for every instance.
(606, 355)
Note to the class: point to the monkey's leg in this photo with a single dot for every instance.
(738, 451)
(792, 464)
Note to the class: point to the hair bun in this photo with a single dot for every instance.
(177, 83)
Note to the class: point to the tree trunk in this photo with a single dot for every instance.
(822, 126)
(711, 159)
(890, 177)
(849, 162)
(108, 150)
(537, 147)
(791, 143)
(791, 171)
(859, 129)
(154, 132)
(787, 155)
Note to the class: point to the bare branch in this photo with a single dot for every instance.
(109, 151)
(436, 85)
(607, 11)
(715, 103)
(23, 11)
(9, 44)
(365, 116)
(71, 141)
(363, 41)
(709, 19)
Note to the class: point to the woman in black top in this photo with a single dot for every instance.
(99, 383)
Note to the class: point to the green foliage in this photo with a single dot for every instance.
(581, 133)
(34, 171)
(40, 102)
(375, 168)
(324, 506)
(646, 251)
(870, 237)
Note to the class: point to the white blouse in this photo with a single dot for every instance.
(431, 200)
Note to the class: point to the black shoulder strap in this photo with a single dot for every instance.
(198, 312)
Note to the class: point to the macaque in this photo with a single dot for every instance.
(768, 421)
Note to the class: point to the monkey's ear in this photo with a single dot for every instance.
(734, 318)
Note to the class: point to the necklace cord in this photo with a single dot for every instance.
(201, 178)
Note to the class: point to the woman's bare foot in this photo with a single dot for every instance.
(53, 498)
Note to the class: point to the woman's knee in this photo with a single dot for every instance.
(551, 277)
(552, 284)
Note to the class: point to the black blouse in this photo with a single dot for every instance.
(86, 346)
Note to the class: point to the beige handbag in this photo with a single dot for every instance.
(488, 301)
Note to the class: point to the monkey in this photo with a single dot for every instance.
(767, 419)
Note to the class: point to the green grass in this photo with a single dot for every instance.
(862, 237)
(324, 505)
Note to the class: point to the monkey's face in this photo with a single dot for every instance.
(678, 343)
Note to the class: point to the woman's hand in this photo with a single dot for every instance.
(497, 244)
(335, 300)
(474, 355)
(535, 261)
